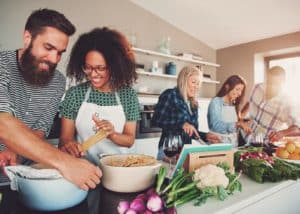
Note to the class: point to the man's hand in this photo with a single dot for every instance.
(275, 136)
(245, 127)
(7, 158)
(80, 172)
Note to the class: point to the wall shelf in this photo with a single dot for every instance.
(154, 53)
(205, 80)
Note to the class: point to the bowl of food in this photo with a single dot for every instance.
(288, 151)
(49, 194)
(128, 172)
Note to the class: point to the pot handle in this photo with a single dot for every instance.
(156, 166)
(100, 156)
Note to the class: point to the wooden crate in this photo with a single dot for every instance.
(197, 159)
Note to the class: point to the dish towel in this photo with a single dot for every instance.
(30, 173)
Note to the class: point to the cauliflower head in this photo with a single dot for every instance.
(210, 176)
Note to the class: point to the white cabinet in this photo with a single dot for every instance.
(147, 146)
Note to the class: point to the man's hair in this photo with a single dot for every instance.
(276, 71)
(41, 18)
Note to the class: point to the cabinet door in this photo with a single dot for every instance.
(202, 114)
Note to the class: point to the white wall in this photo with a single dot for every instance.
(119, 14)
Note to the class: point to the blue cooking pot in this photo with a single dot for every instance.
(49, 194)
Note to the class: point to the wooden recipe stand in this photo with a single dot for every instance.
(197, 159)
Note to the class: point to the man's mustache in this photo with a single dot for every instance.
(50, 64)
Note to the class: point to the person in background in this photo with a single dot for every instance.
(269, 109)
(223, 110)
(30, 91)
(106, 100)
(177, 109)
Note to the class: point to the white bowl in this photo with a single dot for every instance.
(49, 194)
(127, 179)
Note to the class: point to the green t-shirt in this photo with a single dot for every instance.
(69, 107)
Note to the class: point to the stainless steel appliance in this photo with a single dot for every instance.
(144, 127)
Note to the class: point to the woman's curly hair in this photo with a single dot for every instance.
(116, 51)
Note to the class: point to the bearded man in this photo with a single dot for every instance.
(30, 92)
(30, 86)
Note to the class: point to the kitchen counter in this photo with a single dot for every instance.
(275, 198)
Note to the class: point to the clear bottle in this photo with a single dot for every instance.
(165, 46)
(168, 45)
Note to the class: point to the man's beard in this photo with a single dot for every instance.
(30, 69)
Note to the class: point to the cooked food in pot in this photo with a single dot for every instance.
(118, 169)
(132, 161)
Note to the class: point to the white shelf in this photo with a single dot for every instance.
(157, 74)
(154, 53)
(205, 80)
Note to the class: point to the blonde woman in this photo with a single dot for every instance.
(177, 109)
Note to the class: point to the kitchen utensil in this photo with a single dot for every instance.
(100, 135)
(116, 178)
(202, 142)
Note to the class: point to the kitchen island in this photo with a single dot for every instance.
(275, 198)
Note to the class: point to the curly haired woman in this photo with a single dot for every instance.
(106, 100)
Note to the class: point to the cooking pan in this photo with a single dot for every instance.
(126, 179)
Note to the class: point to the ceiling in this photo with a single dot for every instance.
(224, 23)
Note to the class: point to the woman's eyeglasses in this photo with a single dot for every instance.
(98, 69)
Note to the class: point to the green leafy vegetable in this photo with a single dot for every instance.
(261, 170)
(182, 189)
(219, 191)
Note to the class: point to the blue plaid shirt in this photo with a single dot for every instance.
(171, 111)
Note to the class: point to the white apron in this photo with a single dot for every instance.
(229, 116)
(84, 126)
